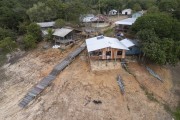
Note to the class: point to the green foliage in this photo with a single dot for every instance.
(2, 59)
(7, 45)
(40, 13)
(6, 33)
(161, 51)
(59, 23)
(34, 30)
(168, 5)
(29, 42)
(159, 22)
(109, 32)
(153, 9)
(176, 114)
(73, 10)
(11, 14)
(49, 36)
(137, 7)
(22, 28)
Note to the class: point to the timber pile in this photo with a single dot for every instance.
(38, 88)
(121, 84)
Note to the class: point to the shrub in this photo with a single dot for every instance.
(8, 45)
(29, 42)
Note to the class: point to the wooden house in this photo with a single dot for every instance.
(104, 48)
(124, 25)
(64, 36)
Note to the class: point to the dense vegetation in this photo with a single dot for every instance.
(160, 39)
(18, 18)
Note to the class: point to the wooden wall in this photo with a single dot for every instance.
(113, 54)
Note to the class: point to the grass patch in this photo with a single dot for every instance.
(149, 95)
(2, 59)
(109, 32)
(176, 113)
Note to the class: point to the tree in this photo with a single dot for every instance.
(153, 9)
(6, 33)
(34, 30)
(29, 42)
(22, 28)
(40, 13)
(137, 7)
(8, 45)
(11, 14)
(49, 36)
(168, 5)
(162, 47)
(59, 23)
(161, 24)
(73, 11)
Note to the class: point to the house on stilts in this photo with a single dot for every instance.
(103, 48)
(63, 36)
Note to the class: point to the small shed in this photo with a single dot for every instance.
(63, 36)
(102, 47)
(45, 25)
(113, 12)
(126, 12)
(124, 25)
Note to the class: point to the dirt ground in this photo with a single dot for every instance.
(71, 95)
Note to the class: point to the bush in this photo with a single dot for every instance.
(6, 33)
(34, 30)
(29, 42)
(7, 45)
(22, 28)
(59, 23)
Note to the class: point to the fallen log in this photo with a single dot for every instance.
(121, 84)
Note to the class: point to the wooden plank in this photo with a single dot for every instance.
(48, 79)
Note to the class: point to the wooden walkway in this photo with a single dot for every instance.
(38, 88)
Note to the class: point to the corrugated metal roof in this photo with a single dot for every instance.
(62, 32)
(128, 43)
(127, 10)
(128, 21)
(46, 24)
(104, 42)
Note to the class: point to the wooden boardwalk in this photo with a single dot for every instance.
(38, 88)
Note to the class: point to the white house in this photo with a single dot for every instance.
(102, 47)
(113, 12)
(126, 12)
